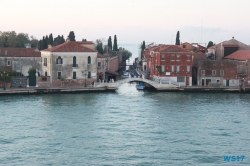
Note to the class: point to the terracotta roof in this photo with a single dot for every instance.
(69, 47)
(100, 56)
(19, 52)
(173, 48)
(241, 55)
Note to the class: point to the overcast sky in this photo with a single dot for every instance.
(131, 20)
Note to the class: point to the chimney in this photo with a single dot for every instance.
(49, 46)
(5, 52)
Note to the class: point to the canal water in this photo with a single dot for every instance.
(127, 127)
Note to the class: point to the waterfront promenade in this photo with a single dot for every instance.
(106, 88)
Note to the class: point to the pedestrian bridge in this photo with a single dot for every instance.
(156, 84)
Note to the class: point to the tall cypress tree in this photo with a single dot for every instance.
(110, 43)
(115, 47)
(72, 36)
(143, 46)
(50, 41)
(177, 42)
(44, 43)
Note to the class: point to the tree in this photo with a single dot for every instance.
(11, 38)
(99, 46)
(210, 43)
(143, 46)
(126, 55)
(22, 39)
(34, 42)
(72, 36)
(110, 43)
(50, 41)
(177, 42)
(6, 42)
(115, 47)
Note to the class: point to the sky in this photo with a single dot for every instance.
(133, 21)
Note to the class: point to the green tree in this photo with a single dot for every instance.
(72, 36)
(110, 43)
(32, 71)
(126, 55)
(210, 43)
(6, 42)
(21, 40)
(177, 41)
(115, 47)
(143, 46)
(34, 42)
(8, 36)
(50, 41)
(99, 46)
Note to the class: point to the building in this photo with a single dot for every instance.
(101, 67)
(197, 57)
(228, 65)
(20, 59)
(169, 62)
(73, 63)
(225, 48)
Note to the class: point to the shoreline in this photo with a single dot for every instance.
(67, 90)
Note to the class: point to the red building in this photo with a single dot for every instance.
(169, 63)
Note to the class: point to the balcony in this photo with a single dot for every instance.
(75, 65)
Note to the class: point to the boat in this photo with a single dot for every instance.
(140, 86)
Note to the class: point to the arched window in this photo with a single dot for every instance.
(59, 60)
(74, 61)
(89, 60)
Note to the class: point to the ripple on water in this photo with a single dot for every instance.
(128, 127)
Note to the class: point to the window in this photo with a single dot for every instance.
(162, 56)
(203, 72)
(188, 57)
(59, 60)
(99, 64)
(89, 74)
(89, 60)
(188, 69)
(172, 57)
(8, 63)
(59, 75)
(162, 68)
(45, 62)
(213, 72)
(178, 57)
(177, 69)
(45, 73)
(74, 62)
(184, 46)
(180, 79)
(74, 75)
(222, 72)
(172, 69)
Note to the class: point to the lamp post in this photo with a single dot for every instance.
(85, 73)
(4, 79)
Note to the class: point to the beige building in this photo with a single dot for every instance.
(20, 59)
(70, 64)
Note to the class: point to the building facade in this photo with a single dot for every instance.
(169, 63)
(70, 62)
(20, 59)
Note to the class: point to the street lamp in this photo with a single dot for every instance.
(4, 79)
(85, 73)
